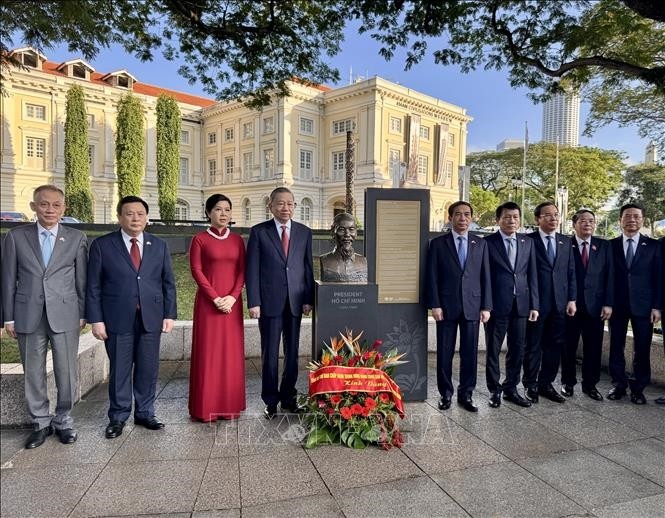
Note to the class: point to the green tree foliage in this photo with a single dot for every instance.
(484, 205)
(78, 193)
(129, 146)
(168, 154)
(645, 184)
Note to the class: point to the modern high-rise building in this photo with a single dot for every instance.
(651, 153)
(561, 119)
(403, 138)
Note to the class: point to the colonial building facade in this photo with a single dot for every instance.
(402, 138)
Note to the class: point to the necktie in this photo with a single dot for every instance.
(630, 253)
(511, 251)
(47, 246)
(285, 241)
(135, 254)
(585, 254)
(461, 251)
(550, 251)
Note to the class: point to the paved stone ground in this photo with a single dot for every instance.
(581, 458)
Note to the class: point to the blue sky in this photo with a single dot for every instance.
(499, 111)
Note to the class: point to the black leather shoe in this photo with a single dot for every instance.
(67, 436)
(660, 400)
(495, 399)
(37, 438)
(515, 397)
(593, 393)
(616, 393)
(292, 407)
(114, 429)
(551, 394)
(444, 403)
(467, 404)
(567, 390)
(270, 411)
(151, 423)
(638, 398)
(531, 395)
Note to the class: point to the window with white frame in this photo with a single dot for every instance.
(338, 165)
(268, 124)
(35, 111)
(306, 126)
(449, 174)
(423, 163)
(228, 169)
(184, 171)
(91, 120)
(212, 138)
(35, 150)
(424, 132)
(396, 125)
(212, 171)
(91, 159)
(306, 157)
(247, 211)
(228, 134)
(306, 211)
(248, 130)
(268, 163)
(184, 137)
(30, 60)
(181, 209)
(267, 214)
(342, 126)
(451, 139)
(247, 165)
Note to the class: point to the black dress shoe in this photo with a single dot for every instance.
(444, 403)
(467, 404)
(114, 429)
(67, 436)
(515, 397)
(638, 398)
(567, 390)
(292, 407)
(616, 393)
(495, 400)
(660, 400)
(531, 394)
(270, 411)
(151, 423)
(593, 393)
(37, 438)
(551, 394)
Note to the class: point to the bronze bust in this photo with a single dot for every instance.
(343, 264)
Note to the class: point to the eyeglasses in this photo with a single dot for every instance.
(282, 204)
(556, 215)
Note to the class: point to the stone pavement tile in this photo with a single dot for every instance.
(187, 441)
(45, 491)
(143, 488)
(345, 468)
(220, 488)
(649, 507)
(504, 489)
(589, 479)
(226, 439)
(254, 406)
(587, 429)
(91, 412)
(98, 393)
(161, 515)
(544, 407)
(645, 457)
(278, 475)
(175, 388)
(647, 419)
(168, 368)
(258, 435)
(11, 442)
(485, 412)
(518, 437)
(252, 383)
(315, 506)
(408, 498)
(173, 410)
(221, 513)
(250, 368)
(182, 371)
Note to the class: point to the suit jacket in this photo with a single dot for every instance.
(459, 292)
(115, 288)
(556, 284)
(520, 284)
(271, 277)
(28, 286)
(637, 290)
(595, 284)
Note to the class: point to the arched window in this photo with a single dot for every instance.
(339, 207)
(181, 209)
(246, 212)
(268, 214)
(306, 206)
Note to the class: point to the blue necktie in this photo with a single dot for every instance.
(630, 253)
(461, 251)
(511, 251)
(47, 247)
(550, 251)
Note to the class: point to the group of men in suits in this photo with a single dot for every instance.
(543, 291)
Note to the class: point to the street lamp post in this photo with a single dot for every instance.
(562, 203)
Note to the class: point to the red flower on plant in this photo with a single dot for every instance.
(370, 403)
(353, 361)
(338, 359)
(335, 399)
(346, 412)
(385, 398)
(330, 411)
(365, 411)
(367, 355)
(321, 403)
(376, 345)
(356, 409)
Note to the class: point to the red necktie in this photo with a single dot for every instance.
(285, 241)
(585, 254)
(135, 254)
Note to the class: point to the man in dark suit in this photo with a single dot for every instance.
(280, 288)
(557, 292)
(460, 294)
(637, 298)
(515, 296)
(594, 272)
(131, 300)
(661, 400)
(43, 299)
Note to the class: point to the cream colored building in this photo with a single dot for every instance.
(402, 139)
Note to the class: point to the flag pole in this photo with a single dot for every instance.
(526, 145)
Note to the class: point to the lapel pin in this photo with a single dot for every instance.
(61, 239)
(594, 248)
(148, 243)
(521, 240)
(561, 242)
(473, 242)
(644, 244)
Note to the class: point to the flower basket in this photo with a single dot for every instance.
(353, 399)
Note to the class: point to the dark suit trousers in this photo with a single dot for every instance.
(545, 339)
(642, 336)
(446, 335)
(271, 329)
(591, 329)
(138, 350)
(495, 332)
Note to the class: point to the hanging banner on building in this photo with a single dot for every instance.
(414, 138)
(441, 155)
